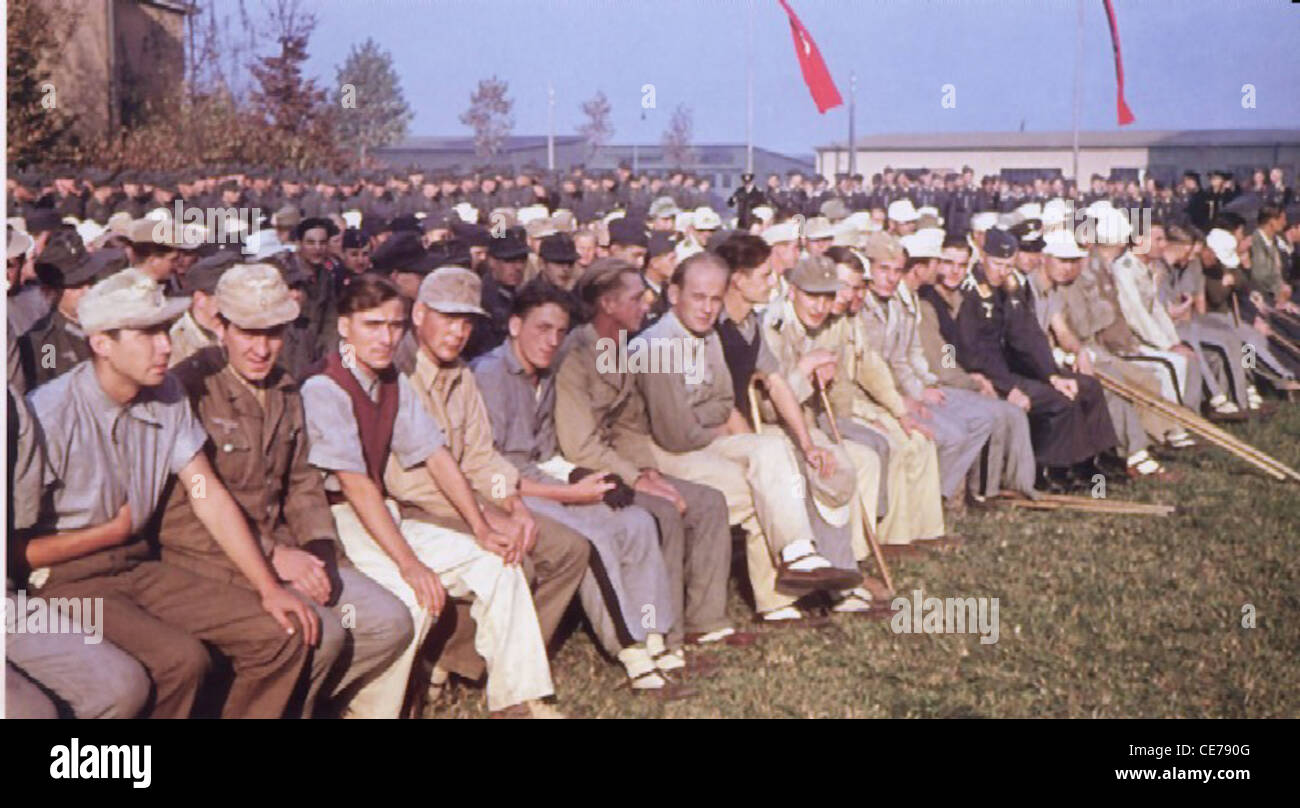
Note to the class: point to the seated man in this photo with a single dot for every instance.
(600, 423)
(700, 436)
(960, 421)
(253, 412)
(1001, 339)
(1009, 453)
(445, 313)
(197, 327)
(94, 679)
(806, 343)
(518, 385)
(360, 412)
(117, 428)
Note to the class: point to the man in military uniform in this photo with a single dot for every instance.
(745, 199)
(1001, 339)
(56, 343)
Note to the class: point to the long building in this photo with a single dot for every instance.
(722, 163)
(1164, 155)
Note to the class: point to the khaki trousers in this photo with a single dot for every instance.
(508, 637)
(915, 505)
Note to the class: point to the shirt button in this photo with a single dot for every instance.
(229, 447)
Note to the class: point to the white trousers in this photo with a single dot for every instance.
(507, 635)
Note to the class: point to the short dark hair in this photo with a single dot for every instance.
(539, 292)
(679, 274)
(844, 255)
(743, 252)
(1268, 213)
(366, 292)
(955, 241)
(1227, 220)
(604, 276)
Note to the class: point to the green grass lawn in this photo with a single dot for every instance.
(1100, 616)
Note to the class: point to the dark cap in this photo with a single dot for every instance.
(475, 235)
(203, 276)
(508, 247)
(661, 243)
(451, 252)
(999, 244)
(354, 238)
(401, 252)
(628, 232)
(40, 220)
(558, 249)
(312, 223)
(62, 254)
(90, 268)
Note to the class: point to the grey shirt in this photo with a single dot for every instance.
(335, 438)
(522, 415)
(684, 415)
(101, 455)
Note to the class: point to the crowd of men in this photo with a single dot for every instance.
(379, 438)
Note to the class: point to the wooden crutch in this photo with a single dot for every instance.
(870, 529)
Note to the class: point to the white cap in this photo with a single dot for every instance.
(846, 234)
(935, 234)
(1061, 244)
(467, 212)
(683, 219)
(778, 233)
(919, 246)
(89, 230)
(763, 213)
(1055, 211)
(1098, 208)
(530, 212)
(818, 227)
(263, 243)
(1224, 245)
(686, 248)
(984, 220)
(1113, 227)
(352, 218)
(902, 210)
(706, 219)
(859, 220)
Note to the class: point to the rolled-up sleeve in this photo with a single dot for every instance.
(332, 432)
(416, 434)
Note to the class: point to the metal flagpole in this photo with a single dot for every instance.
(853, 151)
(749, 89)
(1078, 89)
(550, 127)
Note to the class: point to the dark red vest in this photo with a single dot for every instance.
(374, 419)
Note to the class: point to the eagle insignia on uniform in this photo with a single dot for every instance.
(988, 309)
(225, 423)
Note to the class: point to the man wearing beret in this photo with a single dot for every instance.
(118, 431)
(56, 343)
(253, 413)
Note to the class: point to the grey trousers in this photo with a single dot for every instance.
(962, 424)
(876, 441)
(93, 681)
(1009, 453)
(696, 548)
(634, 574)
(360, 635)
(1264, 356)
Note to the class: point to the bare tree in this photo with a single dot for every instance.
(489, 116)
(678, 136)
(598, 128)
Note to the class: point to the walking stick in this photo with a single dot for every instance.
(870, 529)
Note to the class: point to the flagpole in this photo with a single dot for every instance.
(550, 127)
(853, 151)
(749, 88)
(1078, 88)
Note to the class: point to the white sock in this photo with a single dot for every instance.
(800, 548)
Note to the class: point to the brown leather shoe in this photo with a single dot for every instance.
(809, 580)
(736, 639)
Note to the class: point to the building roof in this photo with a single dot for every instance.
(458, 143)
(1123, 139)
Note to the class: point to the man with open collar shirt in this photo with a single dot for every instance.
(118, 430)
(361, 413)
(252, 410)
(518, 385)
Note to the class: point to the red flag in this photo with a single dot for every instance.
(815, 74)
(1125, 114)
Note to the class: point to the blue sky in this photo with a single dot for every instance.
(1010, 61)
